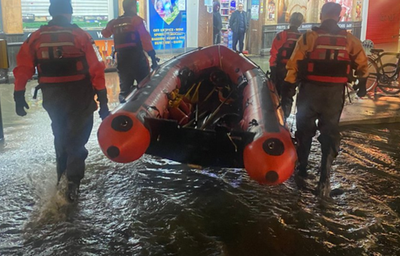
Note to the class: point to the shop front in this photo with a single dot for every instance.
(274, 17)
(165, 19)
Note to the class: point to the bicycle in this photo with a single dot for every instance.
(384, 76)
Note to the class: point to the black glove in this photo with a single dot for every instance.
(20, 103)
(154, 59)
(288, 91)
(102, 99)
(273, 74)
(361, 86)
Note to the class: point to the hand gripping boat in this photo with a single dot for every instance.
(209, 107)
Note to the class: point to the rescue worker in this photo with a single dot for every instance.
(282, 48)
(70, 72)
(130, 39)
(322, 61)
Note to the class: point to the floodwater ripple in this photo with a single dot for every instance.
(159, 207)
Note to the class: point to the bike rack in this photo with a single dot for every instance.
(376, 56)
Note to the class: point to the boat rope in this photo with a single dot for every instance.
(233, 143)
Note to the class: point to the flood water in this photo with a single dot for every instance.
(157, 207)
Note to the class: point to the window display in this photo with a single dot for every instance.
(87, 13)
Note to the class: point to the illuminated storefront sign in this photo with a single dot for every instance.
(167, 23)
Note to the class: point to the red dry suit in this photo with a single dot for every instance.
(61, 54)
(281, 50)
(70, 69)
(130, 38)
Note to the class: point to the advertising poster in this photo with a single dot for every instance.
(255, 8)
(167, 23)
(310, 9)
(254, 12)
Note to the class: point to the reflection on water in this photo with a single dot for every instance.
(159, 207)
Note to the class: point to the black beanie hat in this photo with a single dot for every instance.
(331, 9)
(58, 7)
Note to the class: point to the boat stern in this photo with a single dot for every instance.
(122, 137)
(271, 159)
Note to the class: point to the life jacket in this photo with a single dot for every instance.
(329, 62)
(125, 34)
(287, 48)
(59, 59)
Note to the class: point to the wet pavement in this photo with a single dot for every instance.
(158, 207)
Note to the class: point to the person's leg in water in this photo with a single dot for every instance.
(306, 128)
(59, 142)
(330, 136)
(125, 67)
(280, 78)
(78, 136)
(70, 107)
(142, 69)
(54, 105)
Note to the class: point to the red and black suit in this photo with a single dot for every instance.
(322, 62)
(70, 72)
(131, 39)
(281, 50)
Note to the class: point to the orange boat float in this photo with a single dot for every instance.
(209, 107)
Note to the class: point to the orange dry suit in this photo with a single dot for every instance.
(321, 61)
(130, 38)
(281, 50)
(70, 70)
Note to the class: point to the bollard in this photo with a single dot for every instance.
(1, 125)
(4, 65)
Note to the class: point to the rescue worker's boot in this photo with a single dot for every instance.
(72, 192)
(302, 170)
(303, 151)
(324, 188)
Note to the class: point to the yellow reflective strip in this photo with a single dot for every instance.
(98, 55)
(329, 35)
(56, 44)
(121, 25)
(330, 47)
(56, 32)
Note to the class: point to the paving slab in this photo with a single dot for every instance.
(371, 110)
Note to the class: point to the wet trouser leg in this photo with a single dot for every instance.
(142, 69)
(75, 147)
(328, 125)
(280, 78)
(59, 141)
(325, 104)
(70, 108)
(132, 66)
(126, 76)
(306, 117)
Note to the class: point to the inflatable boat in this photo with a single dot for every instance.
(211, 107)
